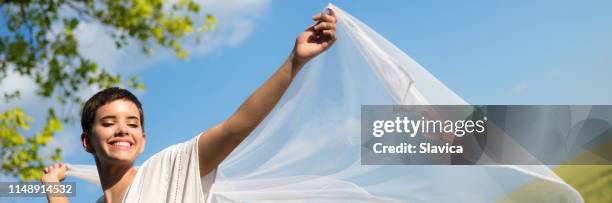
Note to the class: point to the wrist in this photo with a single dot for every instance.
(46, 179)
(50, 180)
(296, 61)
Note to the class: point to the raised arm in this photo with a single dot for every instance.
(219, 141)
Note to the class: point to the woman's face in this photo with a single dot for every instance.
(117, 136)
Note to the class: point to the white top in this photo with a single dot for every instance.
(172, 175)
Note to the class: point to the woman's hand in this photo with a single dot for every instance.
(54, 173)
(316, 39)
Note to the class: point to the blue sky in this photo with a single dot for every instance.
(488, 52)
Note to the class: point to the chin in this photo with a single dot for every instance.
(125, 159)
(120, 157)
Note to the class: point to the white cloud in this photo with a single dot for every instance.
(242, 31)
(13, 82)
(68, 141)
(95, 43)
(520, 88)
(236, 22)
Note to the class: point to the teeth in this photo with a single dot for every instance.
(122, 144)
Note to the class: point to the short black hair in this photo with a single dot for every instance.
(103, 97)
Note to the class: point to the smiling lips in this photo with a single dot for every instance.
(121, 144)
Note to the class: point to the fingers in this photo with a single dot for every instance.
(53, 167)
(322, 33)
(54, 173)
(330, 34)
(332, 13)
(325, 26)
(331, 17)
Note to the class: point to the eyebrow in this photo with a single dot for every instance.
(115, 117)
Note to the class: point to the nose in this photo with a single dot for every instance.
(122, 130)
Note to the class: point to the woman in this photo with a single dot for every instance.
(112, 122)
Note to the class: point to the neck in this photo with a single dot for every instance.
(115, 179)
